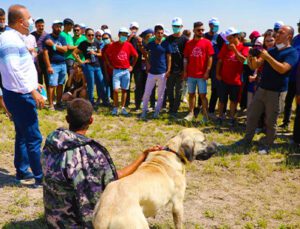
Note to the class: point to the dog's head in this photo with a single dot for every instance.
(192, 143)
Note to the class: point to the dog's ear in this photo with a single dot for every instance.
(187, 148)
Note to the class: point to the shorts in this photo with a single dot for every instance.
(59, 75)
(121, 79)
(232, 90)
(193, 82)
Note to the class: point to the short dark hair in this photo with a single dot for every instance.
(198, 24)
(15, 13)
(88, 29)
(157, 28)
(79, 113)
(2, 12)
(103, 27)
(77, 25)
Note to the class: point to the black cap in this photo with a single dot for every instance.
(298, 23)
(39, 20)
(68, 21)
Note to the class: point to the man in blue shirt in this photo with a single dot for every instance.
(158, 54)
(277, 64)
(54, 48)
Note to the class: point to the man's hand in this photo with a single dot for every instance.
(50, 70)
(152, 149)
(298, 100)
(206, 75)
(40, 102)
(130, 69)
(252, 78)
(167, 74)
(232, 47)
(218, 77)
(264, 54)
(49, 42)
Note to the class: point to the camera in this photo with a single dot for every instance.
(255, 51)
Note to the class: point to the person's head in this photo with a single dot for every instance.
(298, 24)
(79, 114)
(284, 36)
(214, 25)
(90, 35)
(83, 28)
(2, 18)
(98, 35)
(68, 24)
(39, 25)
(56, 27)
(269, 39)
(123, 34)
(76, 30)
(177, 25)
(103, 27)
(146, 35)
(232, 35)
(134, 27)
(20, 19)
(77, 68)
(198, 30)
(254, 35)
(187, 33)
(106, 38)
(159, 32)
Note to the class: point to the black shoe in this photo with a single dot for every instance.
(242, 143)
(38, 183)
(26, 176)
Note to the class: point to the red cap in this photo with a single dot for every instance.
(254, 34)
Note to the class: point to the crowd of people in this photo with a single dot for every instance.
(262, 75)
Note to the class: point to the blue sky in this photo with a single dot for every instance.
(245, 15)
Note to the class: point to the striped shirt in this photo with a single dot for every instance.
(16, 65)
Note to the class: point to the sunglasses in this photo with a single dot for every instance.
(90, 35)
(98, 35)
(199, 30)
(76, 30)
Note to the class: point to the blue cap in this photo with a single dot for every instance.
(147, 31)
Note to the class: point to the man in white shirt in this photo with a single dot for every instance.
(19, 78)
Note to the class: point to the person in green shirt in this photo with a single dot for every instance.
(78, 38)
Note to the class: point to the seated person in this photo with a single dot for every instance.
(77, 169)
(76, 87)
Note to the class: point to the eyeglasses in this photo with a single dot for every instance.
(90, 35)
(98, 35)
(76, 30)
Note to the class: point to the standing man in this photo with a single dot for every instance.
(118, 58)
(296, 132)
(55, 47)
(217, 43)
(78, 38)
(40, 36)
(277, 64)
(69, 58)
(20, 84)
(177, 42)
(197, 65)
(229, 70)
(159, 56)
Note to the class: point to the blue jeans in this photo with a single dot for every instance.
(93, 74)
(28, 137)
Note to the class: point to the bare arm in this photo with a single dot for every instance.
(209, 63)
(238, 55)
(169, 59)
(218, 69)
(76, 53)
(282, 68)
(47, 61)
(254, 62)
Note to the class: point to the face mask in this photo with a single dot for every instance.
(215, 29)
(123, 39)
(176, 29)
(2, 25)
(227, 42)
(106, 41)
(30, 26)
(280, 46)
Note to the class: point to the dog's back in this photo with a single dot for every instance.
(126, 202)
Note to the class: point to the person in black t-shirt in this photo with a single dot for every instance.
(177, 42)
(91, 66)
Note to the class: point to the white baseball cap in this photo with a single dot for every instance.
(134, 24)
(259, 41)
(177, 21)
(82, 25)
(214, 21)
(123, 30)
(55, 22)
(107, 31)
(100, 31)
(231, 31)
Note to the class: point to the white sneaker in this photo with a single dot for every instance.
(189, 117)
(124, 112)
(156, 114)
(114, 111)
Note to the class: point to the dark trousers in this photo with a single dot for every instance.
(174, 91)
(28, 137)
(214, 90)
(42, 72)
(289, 102)
(296, 133)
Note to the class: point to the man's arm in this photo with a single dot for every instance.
(134, 165)
(47, 61)
(282, 68)
(241, 58)
(218, 69)
(209, 63)
(254, 62)
(169, 59)
(135, 58)
(60, 48)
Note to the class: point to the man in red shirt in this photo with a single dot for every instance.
(197, 64)
(118, 58)
(229, 71)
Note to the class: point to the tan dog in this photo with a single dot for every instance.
(160, 180)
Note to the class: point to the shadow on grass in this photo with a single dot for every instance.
(6, 179)
(33, 224)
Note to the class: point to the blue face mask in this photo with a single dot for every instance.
(106, 41)
(215, 29)
(176, 29)
(123, 38)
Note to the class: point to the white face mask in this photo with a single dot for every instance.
(2, 25)
(30, 26)
(280, 46)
